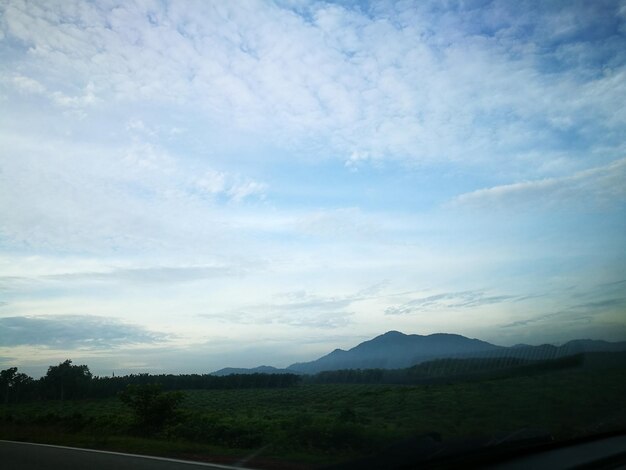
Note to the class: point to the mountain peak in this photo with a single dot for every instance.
(392, 333)
(394, 349)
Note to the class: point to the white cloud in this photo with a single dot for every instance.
(70, 196)
(87, 98)
(242, 190)
(448, 300)
(135, 275)
(598, 187)
(344, 223)
(398, 84)
(213, 182)
(301, 309)
(236, 187)
(28, 85)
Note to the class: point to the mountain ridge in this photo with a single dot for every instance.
(396, 350)
(252, 370)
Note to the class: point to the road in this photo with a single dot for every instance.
(27, 456)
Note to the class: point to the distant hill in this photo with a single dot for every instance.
(549, 351)
(395, 350)
(449, 370)
(254, 370)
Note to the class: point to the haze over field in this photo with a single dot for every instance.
(186, 186)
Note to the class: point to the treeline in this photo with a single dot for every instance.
(68, 381)
(447, 370)
(108, 386)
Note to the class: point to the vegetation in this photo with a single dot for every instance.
(14, 383)
(69, 381)
(450, 369)
(152, 408)
(319, 423)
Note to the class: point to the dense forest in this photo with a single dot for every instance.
(448, 370)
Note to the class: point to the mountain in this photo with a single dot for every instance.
(549, 351)
(254, 370)
(394, 350)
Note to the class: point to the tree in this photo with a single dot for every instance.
(67, 380)
(152, 407)
(12, 382)
(7, 380)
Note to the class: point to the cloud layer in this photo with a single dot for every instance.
(394, 81)
(248, 172)
(595, 188)
(448, 300)
(66, 332)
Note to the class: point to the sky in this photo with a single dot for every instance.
(190, 185)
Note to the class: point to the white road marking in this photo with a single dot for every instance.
(166, 459)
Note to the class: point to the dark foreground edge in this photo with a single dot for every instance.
(540, 452)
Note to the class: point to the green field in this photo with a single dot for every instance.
(322, 423)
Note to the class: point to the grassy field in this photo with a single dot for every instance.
(322, 423)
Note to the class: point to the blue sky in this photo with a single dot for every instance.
(191, 185)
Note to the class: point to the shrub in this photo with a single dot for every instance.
(152, 407)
